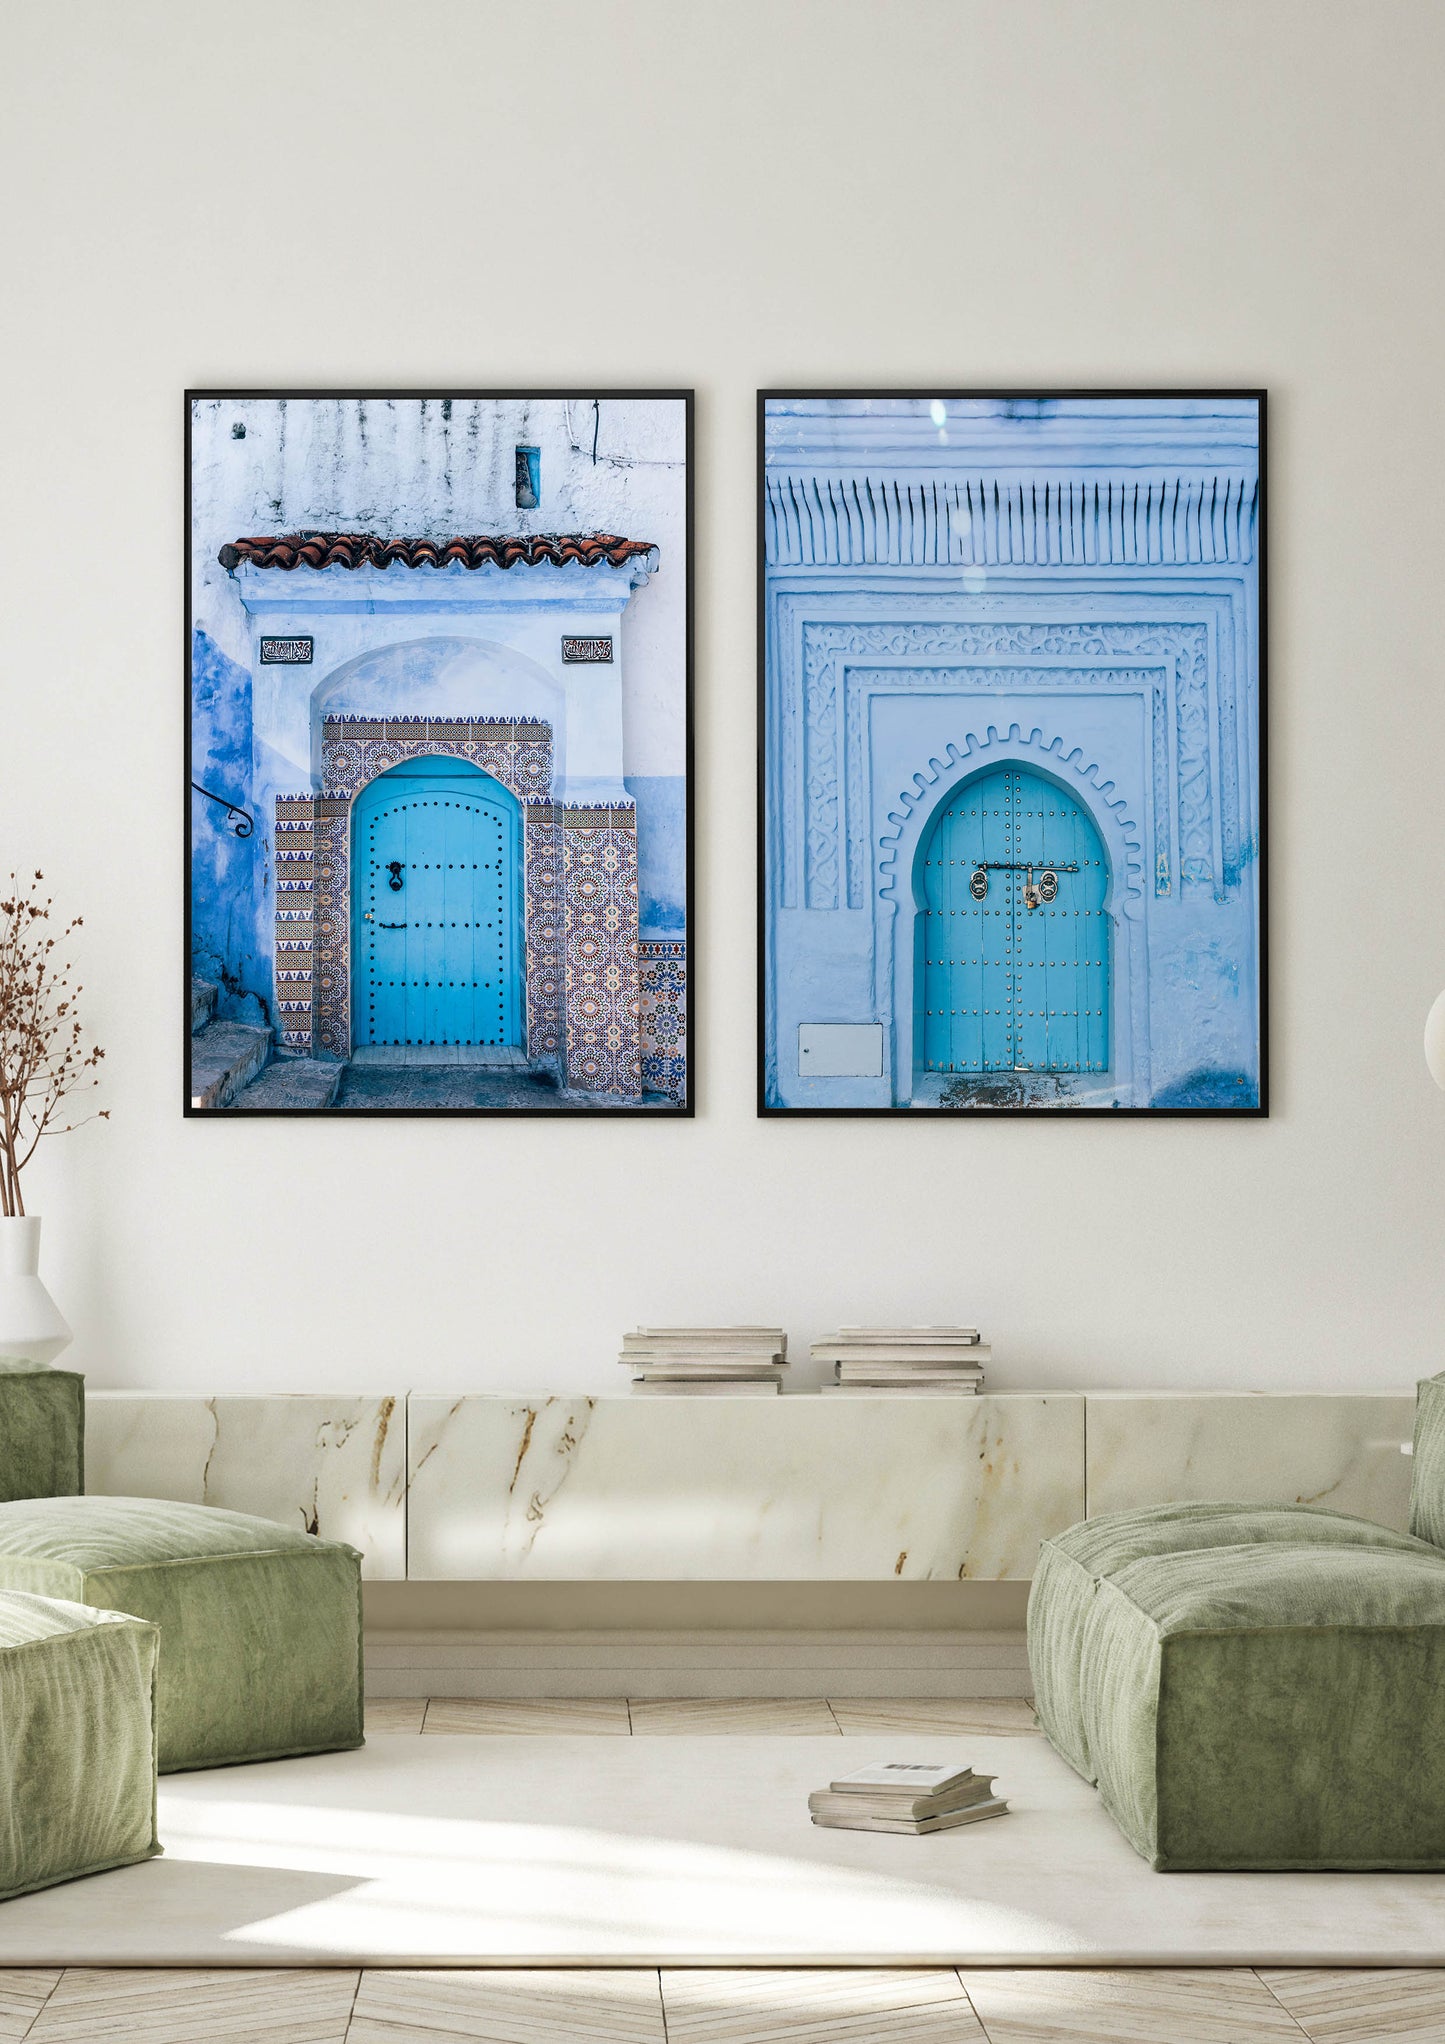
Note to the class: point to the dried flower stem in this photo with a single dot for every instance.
(43, 1059)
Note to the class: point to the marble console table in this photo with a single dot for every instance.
(1338, 1449)
(791, 1489)
(335, 1466)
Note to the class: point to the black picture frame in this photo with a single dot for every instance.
(686, 1107)
(1024, 395)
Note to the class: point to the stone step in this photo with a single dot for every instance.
(225, 1056)
(493, 1057)
(203, 1004)
(290, 1082)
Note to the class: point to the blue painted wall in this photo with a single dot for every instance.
(661, 853)
(227, 872)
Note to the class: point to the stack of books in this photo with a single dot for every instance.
(923, 1361)
(705, 1362)
(906, 1795)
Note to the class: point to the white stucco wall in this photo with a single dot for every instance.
(1016, 192)
(438, 469)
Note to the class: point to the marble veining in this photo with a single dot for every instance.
(333, 1465)
(798, 1489)
(578, 1488)
(1337, 1449)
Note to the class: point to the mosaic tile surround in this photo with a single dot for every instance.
(603, 1011)
(662, 991)
(579, 900)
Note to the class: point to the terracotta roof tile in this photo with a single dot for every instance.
(369, 549)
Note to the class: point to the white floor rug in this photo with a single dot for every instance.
(677, 1852)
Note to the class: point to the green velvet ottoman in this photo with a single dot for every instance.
(260, 1647)
(42, 1431)
(1249, 1687)
(78, 1735)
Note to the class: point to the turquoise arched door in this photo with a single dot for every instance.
(436, 908)
(1012, 936)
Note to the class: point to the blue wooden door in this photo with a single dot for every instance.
(1013, 939)
(436, 887)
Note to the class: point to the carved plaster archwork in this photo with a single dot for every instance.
(864, 685)
(976, 654)
(1196, 634)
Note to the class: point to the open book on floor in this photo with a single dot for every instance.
(907, 1796)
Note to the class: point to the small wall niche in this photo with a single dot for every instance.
(529, 478)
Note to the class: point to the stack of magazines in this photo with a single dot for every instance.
(927, 1361)
(705, 1362)
(906, 1795)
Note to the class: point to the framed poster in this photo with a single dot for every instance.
(438, 747)
(1012, 759)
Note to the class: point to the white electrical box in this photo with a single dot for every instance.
(840, 1050)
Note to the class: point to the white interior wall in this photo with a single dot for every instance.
(937, 192)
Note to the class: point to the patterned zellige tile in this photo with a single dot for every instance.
(1044, 2005)
(818, 2006)
(998, 1716)
(704, 1714)
(599, 2006)
(24, 1991)
(563, 1714)
(1405, 2007)
(395, 1713)
(234, 2006)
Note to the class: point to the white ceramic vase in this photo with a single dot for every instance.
(30, 1322)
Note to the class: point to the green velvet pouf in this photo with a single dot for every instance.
(42, 1432)
(1250, 1687)
(1427, 1471)
(260, 1626)
(78, 1734)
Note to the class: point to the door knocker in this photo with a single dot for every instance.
(978, 885)
(393, 867)
(1045, 888)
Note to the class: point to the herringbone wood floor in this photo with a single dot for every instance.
(680, 2006)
